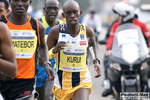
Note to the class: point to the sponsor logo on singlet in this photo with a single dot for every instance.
(82, 43)
(82, 36)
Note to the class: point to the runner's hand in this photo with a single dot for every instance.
(50, 72)
(97, 69)
(60, 45)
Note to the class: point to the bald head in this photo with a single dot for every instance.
(70, 3)
(51, 2)
(51, 10)
(72, 13)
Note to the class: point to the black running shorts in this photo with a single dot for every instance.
(18, 89)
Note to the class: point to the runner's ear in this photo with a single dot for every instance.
(80, 12)
(63, 15)
(8, 10)
(30, 1)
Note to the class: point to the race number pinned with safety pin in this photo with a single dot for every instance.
(127, 36)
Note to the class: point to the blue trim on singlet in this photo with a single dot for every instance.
(62, 28)
(42, 75)
(47, 30)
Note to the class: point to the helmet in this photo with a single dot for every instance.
(124, 9)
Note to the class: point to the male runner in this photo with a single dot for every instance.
(4, 7)
(43, 87)
(70, 42)
(8, 66)
(27, 35)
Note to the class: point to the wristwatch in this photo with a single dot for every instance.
(96, 59)
(47, 62)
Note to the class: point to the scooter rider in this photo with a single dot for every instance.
(126, 14)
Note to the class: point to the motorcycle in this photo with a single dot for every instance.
(128, 69)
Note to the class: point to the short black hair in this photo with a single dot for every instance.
(6, 3)
(92, 12)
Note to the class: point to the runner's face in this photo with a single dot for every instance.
(72, 14)
(51, 10)
(3, 10)
(20, 7)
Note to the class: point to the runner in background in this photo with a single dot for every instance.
(4, 7)
(43, 87)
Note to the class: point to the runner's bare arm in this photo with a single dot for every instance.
(43, 50)
(90, 36)
(8, 64)
(52, 40)
(53, 37)
(91, 43)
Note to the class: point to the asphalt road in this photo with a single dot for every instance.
(97, 82)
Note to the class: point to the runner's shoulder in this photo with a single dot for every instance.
(3, 27)
(55, 29)
(89, 31)
(41, 25)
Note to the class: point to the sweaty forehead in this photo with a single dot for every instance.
(52, 2)
(71, 5)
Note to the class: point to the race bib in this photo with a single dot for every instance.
(73, 59)
(25, 43)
